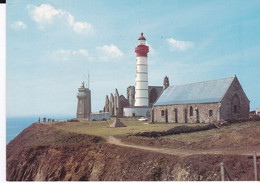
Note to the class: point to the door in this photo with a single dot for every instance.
(197, 116)
(176, 115)
(185, 116)
(166, 116)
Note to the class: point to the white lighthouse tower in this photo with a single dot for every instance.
(141, 77)
(141, 105)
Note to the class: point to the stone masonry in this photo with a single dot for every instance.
(233, 105)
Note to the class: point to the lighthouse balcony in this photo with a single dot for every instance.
(142, 48)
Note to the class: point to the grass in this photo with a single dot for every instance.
(102, 129)
(203, 135)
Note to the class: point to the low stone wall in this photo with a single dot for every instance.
(176, 130)
(187, 129)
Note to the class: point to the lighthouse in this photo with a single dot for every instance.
(140, 92)
(84, 102)
(141, 76)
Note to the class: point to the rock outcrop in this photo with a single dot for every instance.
(45, 153)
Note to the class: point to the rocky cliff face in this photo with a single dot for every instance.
(42, 153)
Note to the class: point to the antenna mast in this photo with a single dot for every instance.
(88, 80)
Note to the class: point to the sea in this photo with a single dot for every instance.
(15, 125)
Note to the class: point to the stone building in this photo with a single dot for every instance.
(206, 101)
(116, 104)
(84, 103)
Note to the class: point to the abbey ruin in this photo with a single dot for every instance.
(116, 103)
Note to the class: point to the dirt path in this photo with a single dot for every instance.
(179, 152)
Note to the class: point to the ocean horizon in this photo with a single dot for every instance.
(15, 125)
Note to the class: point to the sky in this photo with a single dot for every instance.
(52, 45)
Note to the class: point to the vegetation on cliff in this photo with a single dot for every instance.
(66, 151)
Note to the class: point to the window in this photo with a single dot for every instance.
(191, 111)
(133, 114)
(176, 115)
(162, 113)
(210, 113)
(235, 108)
(235, 104)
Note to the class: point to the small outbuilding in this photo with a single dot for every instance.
(206, 101)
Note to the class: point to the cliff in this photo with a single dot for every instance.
(42, 153)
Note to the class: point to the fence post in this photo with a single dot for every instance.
(255, 165)
(222, 172)
(228, 174)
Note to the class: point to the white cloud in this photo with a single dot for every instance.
(79, 27)
(179, 45)
(46, 14)
(66, 55)
(109, 52)
(19, 25)
(103, 53)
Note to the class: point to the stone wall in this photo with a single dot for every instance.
(235, 103)
(154, 92)
(195, 113)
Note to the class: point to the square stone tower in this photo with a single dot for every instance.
(84, 103)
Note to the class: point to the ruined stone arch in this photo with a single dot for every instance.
(153, 96)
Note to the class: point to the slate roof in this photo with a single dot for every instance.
(202, 92)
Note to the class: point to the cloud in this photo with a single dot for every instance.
(19, 25)
(46, 14)
(66, 55)
(79, 27)
(179, 45)
(109, 52)
(103, 53)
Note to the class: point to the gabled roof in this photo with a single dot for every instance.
(202, 92)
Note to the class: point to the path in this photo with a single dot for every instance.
(179, 152)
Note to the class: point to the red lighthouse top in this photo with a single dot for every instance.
(142, 37)
(142, 50)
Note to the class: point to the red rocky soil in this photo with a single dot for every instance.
(43, 153)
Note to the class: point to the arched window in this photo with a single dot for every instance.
(235, 104)
(191, 111)
(162, 113)
(210, 113)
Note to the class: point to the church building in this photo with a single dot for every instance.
(202, 102)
